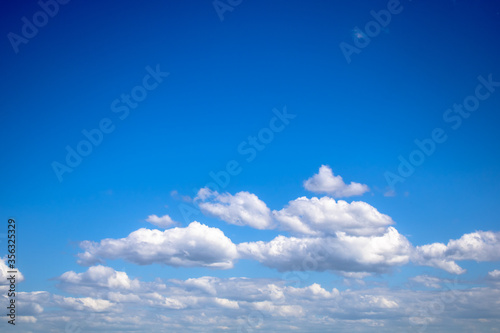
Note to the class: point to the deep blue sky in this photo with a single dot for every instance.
(225, 79)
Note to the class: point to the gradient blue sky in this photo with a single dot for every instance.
(226, 77)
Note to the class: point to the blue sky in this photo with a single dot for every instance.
(210, 84)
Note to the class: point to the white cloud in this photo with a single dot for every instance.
(494, 274)
(279, 310)
(226, 303)
(434, 255)
(195, 245)
(478, 246)
(205, 283)
(341, 253)
(162, 222)
(325, 216)
(379, 302)
(84, 303)
(313, 292)
(100, 276)
(243, 208)
(326, 182)
(27, 319)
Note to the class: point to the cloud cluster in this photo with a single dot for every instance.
(351, 239)
(329, 235)
(326, 182)
(111, 301)
(83, 303)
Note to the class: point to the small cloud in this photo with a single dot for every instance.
(162, 222)
(326, 182)
(196, 245)
(390, 193)
(355, 275)
(186, 198)
(494, 274)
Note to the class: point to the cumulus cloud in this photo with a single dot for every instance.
(341, 253)
(195, 245)
(162, 222)
(494, 274)
(434, 255)
(243, 208)
(326, 182)
(478, 246)
(100, 276)
(313, 292)
(325, 216)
